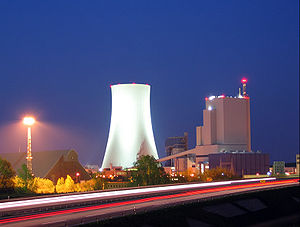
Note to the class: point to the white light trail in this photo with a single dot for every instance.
(68, 198)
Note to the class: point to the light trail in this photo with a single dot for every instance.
(82, 209)
(68, 198)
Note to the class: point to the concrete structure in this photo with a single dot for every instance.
(226, 127)
(278, 167)
(130, 134)
(241, 163)
(298, 164)
(175, 145)
(290, 168)
(226, 123)
(50, 164)
(92, 168)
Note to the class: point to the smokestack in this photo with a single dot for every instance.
(244, 82)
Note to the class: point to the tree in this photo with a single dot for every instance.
(84, 186)
(60, 185)
(26, 180)
(100, 183)
(6, 175)
(149, 172)
(217, 174)
(67, 185)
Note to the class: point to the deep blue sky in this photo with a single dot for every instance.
(58, 58)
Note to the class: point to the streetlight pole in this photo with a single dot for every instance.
(29, 121)
(29, 155)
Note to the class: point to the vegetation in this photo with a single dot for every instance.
(217, 174)
(149, 172)
(63, 186)
(6, 175)
(24, 181)
(43, 186)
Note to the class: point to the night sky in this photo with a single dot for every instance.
(58, 59)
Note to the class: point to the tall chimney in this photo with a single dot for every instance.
(244, 82)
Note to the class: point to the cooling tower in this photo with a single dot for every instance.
(130, 133)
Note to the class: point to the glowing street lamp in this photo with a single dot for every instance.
(77, 177)
(29, 121)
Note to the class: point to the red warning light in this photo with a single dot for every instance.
(244, 80)
(133, 83)
(77, 174)
(206, 98)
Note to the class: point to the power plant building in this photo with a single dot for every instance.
(175, 145)
(226, 124)
(241, 163)
(226, 128)
(130, 133)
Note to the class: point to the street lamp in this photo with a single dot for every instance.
(29, 121)
(77, 177)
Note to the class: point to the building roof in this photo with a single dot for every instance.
(42, 161)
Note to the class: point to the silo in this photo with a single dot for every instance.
(130, 133)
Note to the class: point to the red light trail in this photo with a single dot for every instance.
(82, 209)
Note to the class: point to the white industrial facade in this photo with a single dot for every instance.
(130, 134)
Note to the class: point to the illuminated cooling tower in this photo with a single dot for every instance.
(130, 134)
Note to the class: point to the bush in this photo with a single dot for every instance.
(64, 186)
(43, 185)
(217, 174)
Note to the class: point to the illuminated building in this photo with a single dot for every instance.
(175, 145)
(91, 168)
(130, 133)
(226, 128)
(278, 167)
(241, 163)
(298, 164)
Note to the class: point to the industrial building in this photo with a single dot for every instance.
(241, 163)
(279, 167)
(226, 128)
(298, 164)
(175, 145)
(50, 164)
(130, 133)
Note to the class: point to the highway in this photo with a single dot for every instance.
(90, 207)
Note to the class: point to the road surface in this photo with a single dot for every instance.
(170, 196)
